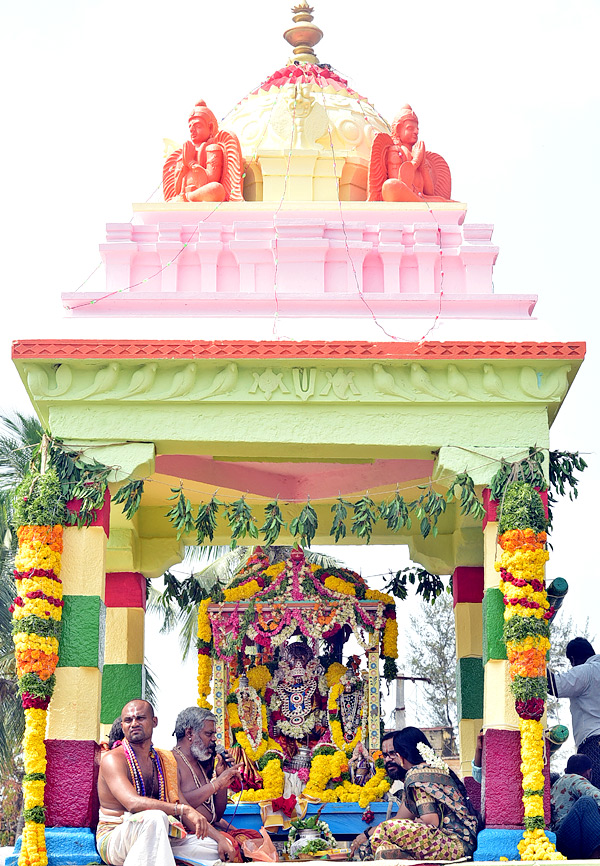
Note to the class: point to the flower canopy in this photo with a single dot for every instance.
(265, 605)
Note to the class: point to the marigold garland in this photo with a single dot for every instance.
(204, 677)
(245, 590)
(204, 631)
(390, 639)
(526, 634)
(337, 584)
(334, 673)
(37, 613)
(259, 677)
(273, 780)
(325, 768)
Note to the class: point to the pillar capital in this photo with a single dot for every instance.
(130, 459)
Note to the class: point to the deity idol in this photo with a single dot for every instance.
(296, 697)
(400, 169)
(207, 168)
(350, 701)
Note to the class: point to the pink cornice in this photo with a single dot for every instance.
(351, 259)
(287, 349)
(335, 305)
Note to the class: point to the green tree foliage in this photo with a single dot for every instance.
(11, 801)
(427, 585)
(432, 654)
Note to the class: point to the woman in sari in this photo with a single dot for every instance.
(436, 820)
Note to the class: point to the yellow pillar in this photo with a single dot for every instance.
(74, 712)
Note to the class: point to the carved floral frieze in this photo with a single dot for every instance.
(394, 382)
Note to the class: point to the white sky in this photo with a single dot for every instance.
(506, 92)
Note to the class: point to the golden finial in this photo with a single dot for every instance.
(304, 35)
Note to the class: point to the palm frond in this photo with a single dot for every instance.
(167, 610)
(188, 630)
(150, 684)
(224, 567)
(322, 559)
(21, 436)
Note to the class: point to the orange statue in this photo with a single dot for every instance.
(400, 169)
(207, 168)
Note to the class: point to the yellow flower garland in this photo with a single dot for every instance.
(326, 767)
(335, 672)
(204, 629)
(374, 790)
(525, 564)
(535, 845)
(337, 584)
(390, 639)
(245, 590)
(40, 548)
(375, 595)
(259, 677)
(273, 780)
(204, 678)
(275, 569)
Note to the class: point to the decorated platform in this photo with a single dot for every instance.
(285, 704)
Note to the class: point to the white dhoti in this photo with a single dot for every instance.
(142, 839)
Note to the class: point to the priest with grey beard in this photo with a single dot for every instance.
(204, 777)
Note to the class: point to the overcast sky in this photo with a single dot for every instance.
(506, 92)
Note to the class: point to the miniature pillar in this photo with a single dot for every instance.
(219, 675)
(467, 585)
(373, 668)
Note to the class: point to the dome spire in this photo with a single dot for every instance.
(304, 35)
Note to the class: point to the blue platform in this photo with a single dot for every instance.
(494, 844)
(344, 819)
(66, 846)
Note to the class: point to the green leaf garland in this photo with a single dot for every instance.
(273, 524)
(339, 509)
(206, 520)
(365, 517)
(180, 515)
(241, 521)
(130, 496)
(305, 525)
(395, 513)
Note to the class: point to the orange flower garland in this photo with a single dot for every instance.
(37, 612)
(526, 633)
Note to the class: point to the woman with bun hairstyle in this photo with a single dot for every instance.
(436, 820)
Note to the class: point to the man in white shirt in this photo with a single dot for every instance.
(582, 686)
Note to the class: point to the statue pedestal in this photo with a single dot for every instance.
(493, 844)
(66, 846)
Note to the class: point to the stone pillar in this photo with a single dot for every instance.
(123, 677)
(502, 797)
(467, 585)
(74, 713)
